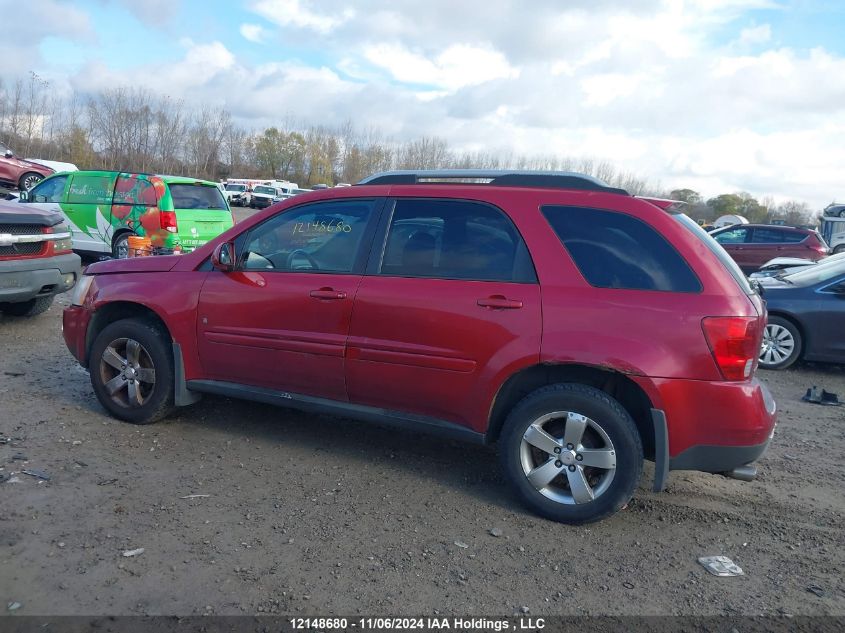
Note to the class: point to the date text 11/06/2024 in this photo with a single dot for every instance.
(419, 624)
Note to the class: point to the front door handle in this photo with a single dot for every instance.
(498, 302)
(328, 293)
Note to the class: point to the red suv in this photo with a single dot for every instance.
(19, 173)
(581, 328)
(752, 245)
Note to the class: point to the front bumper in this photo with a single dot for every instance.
(25, 279)
(75, 321)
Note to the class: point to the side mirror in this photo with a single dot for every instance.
(9, 153)
(23, 196)
(223, 257)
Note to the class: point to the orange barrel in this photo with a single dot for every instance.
(139, 246)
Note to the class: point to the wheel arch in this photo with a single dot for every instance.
(615, 383)
(116, 311)
(124, 230)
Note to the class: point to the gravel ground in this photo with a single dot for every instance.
(313, 515)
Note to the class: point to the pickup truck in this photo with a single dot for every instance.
(36, 261)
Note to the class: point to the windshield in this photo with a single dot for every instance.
(717, 250)
(266, 190)
(827, 269)
(197, 196)
(235, 187)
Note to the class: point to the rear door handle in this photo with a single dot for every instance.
(328, 293)
(498, 302)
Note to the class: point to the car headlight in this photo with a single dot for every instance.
(81, 289)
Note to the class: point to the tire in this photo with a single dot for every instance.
(782, 344)
(151, 397)
(842, 213)
(120, 246)
(606, 428)
(29, 180)
(30, 308)
(839, 249)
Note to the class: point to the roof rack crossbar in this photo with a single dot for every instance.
(494, 177)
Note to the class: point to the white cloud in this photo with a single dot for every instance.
(457, 66)
(755, 35)
(253, 33)
(295, 13)
(29, 23)
(685, 92)
(152, 12)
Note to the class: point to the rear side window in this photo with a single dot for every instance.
(615, 250)
(90, 189)
(793, 237)
(188, 196)
(134, 190)
(454, 239)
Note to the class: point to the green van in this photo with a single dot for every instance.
(103, 208)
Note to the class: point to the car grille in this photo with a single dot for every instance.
(21, 229)
(17, 250)
(24, 248)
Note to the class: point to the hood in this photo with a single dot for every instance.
(784, 262)
(55, 165)
(153, 264)
(28, 164)
(16, 213)
(773, 283)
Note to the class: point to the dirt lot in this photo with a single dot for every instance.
(308, 514)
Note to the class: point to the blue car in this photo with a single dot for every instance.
(806, 316)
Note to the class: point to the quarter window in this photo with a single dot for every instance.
(321, 237)
(616, 250)
(454, 239)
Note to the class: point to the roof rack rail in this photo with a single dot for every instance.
(494, 177)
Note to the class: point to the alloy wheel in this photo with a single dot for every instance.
(127, 372)
(778, 344)
(568, 457)
(30, 181)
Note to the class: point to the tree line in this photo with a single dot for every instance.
(134, 129)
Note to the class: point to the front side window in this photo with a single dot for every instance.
(616, 250)
(50, 190)
(733, 236)
(321, 237)
(454, 239)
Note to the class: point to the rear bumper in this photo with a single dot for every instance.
(713, 427)
(717, 459)
(25, 279)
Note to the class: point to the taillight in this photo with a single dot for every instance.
(168, 221)
(735, 343)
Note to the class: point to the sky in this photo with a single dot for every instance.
(713, 95)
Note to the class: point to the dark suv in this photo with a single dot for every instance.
(581, 328)
(19, 173)
(752, 245)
